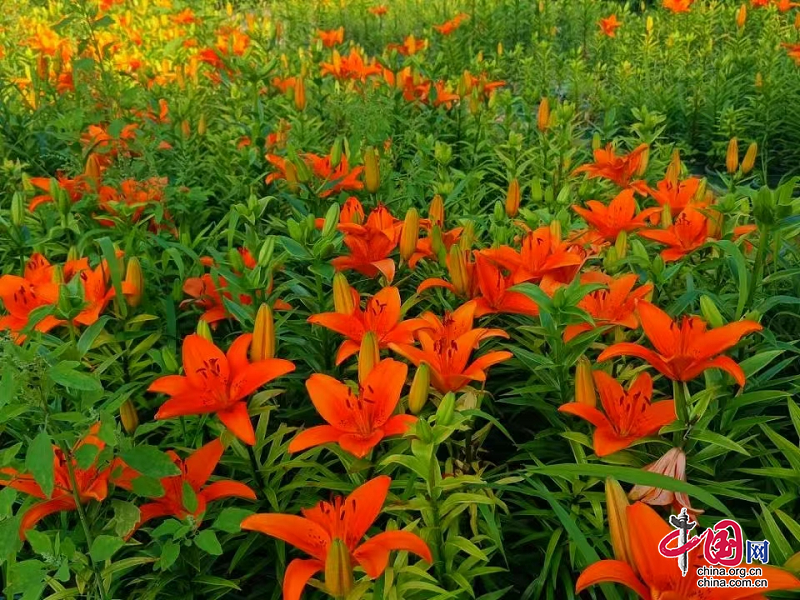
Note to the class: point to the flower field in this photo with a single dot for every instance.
(460, 299)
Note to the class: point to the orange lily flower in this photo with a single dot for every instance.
(379, 10)
(656, 576)
(619, 169)
(424, 249)
(332, 529)
(685, 350)
(443, 97)
(793, 50)
(609, 221)
(332, 37)
(132, 193)
(22, 295)
(352, 211)
(207, 296)
(688, 233)
(542, 254)
(92, 484)
(97, 291)
(195, 472)
(785, 5)
(675, 194)
(284, 85)
(609, 25)
(340, 178)
(381, 316)
(370, 244)
(678, 6)
(74, 188)
(450, 26)
(613, 306)
(218, 383)
(352, 67)
(495, 297)
(447, 345)
(410, 46)
(481, 83)
(629, 415)
(357, 422)
(672, 464)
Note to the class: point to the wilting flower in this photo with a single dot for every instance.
(608, 221)
(381, 316)
(656, 576)
(194, 473)
(22, 295)
(688, 233)
(619, 169)
(370, 244)
(330, 533)
(357, 421)
(677, 195)
(447, 345)
(612, 306)
(332, 37)
(672, 464)
(629, 415)
(609, 25)
(542, 255)
(685, 350)
(218, 383)
(92, 483)
(495, 295)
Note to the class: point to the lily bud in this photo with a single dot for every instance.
(336, 152)
(555, 229)
(446, 410)
(715, 219)
(300, 94)
(17, 209)
(263, 345)
(543, 115)
(584, 383)
(610, 259)
(749, 160)
(499, 211)
(741, 16)
(536, 190)
(331, 219)
(202, 125)
(648, 25)
(135, 280)
(372, 174)
(436, 211)
(617, 509)
(368, 356)
(467, 236)
(622, 244)
(457, 265)
(203, 330)
(186, 128)
(410, 234)
(666, 217)
(338, 569)
(128, 416)
(499, 48)
(732, 156)
(644, 160)
(513, 198)
(710, 312)
(342, 295)
(420, 388)
(596, 141)
(92, 170)
(674, 168)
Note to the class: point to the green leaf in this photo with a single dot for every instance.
(90, 335)
(189, 498)
(104, 547)
(40, 542)
(711, 437)
(39, 462)
(149, 487)
(64, 373)
(230, 519)
(207, 540)
(169, 554)
(150, 461)
(126, 516)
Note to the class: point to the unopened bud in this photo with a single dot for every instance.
(536, 190)
(621, 244)
(92, 171)
(128, 416)
(134, 280)
(555, 230)
(741, 16)
(343, 301)
(436, 211)
(749, 160)
(617, 509)
(368, 356)
(446, 410)
(543, 115)
(262, 347)
(203, 330)
(584, 383)
(513, 198)
(300, 94)
(420, 388)
(457, 264)
(710, 312)
(336, 152)
(674, 168)
(410, 234)
(467, 236)
(202, 125)
(732, 156)
(644, 160)
(186, 128)
(17, 209)
(372, 174)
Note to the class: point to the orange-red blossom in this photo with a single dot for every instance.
(330, 533)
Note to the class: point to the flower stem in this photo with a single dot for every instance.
(84, 521)
(256, 471)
